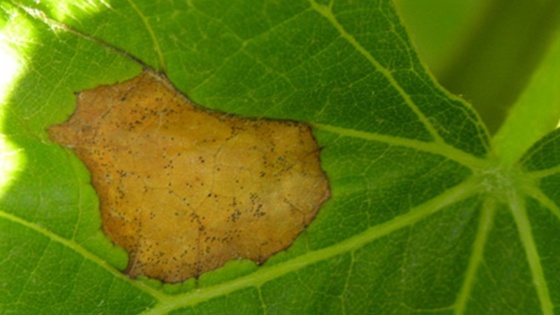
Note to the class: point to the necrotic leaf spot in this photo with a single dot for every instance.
(183, 189)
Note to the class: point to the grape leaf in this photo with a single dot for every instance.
(424, 217)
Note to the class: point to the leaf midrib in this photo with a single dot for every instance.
(442, 149)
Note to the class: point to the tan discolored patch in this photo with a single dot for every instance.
(184, 190)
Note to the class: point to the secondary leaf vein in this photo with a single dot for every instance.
(327, 13)
(81, 251)
(150, 30)
(442, 149)
(519, 212)
(485, 225)
(537, 194)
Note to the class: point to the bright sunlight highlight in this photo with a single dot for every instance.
(14, 38)
(62, 10)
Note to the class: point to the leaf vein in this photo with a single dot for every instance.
(519, 211)
(265, 274)
(486, 221)
(326, 12)
(442, 149)
(537, 194)
(150, 30)
(53, 237)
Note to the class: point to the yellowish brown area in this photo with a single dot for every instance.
(184, 190)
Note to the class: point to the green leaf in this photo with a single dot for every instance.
(426, 216)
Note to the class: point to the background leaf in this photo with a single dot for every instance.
(484, 51)
(424, 217)
(536, 112)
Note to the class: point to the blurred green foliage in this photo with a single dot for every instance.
(484, 51)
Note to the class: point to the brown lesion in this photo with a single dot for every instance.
(155, 159)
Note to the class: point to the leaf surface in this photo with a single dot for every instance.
(424, 216)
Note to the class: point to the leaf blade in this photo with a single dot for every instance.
(401, 201)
